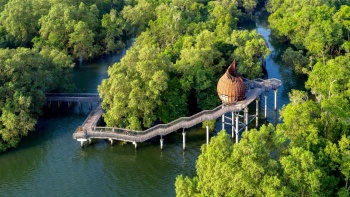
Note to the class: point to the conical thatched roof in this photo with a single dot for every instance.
(231, 87)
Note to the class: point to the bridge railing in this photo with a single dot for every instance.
(73, 97)
(72, 94)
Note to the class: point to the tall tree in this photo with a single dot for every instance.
(339, 154)
(132, 93)
(113, 26)
(251, 50)
(301, 120)
(330, 83)
(20, 19)
(140, 14)
(199, 64)
(301, 174)
(56, 26)
(26, 75)
(82, 41)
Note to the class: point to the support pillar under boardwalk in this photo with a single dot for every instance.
(223, 121)
(257, 113)
(265, 104)
(232, 124)
(275, 106)
(237, 127)
(183, 139)
(207, 129)
(82, 141)
(161, 142)
(246, 118)
(111, 140)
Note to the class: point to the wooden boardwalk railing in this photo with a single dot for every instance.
(73, 97)
(254, 89)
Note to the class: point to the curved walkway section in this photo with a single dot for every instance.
(254, 89)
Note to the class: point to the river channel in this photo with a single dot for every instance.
(49, 162)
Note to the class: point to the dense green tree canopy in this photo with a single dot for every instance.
(19, 19)
(135, 86)
(248, 168)
(60, 24)
(24, 78)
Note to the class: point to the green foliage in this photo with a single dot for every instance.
(26, 75)
(113, 26)
(250, 51)
(209, 123)
(330, 83)
(215, 157)
(140, 14)
(342, 16)
(330, 79)
(319, 27)
(78, 28)
(252, 163)
(19, 18)
(133, 91)
(340, 158)
(301, 121)
(198, 62)
(301, 173)
(2, 4)
(81, 40)
(296, 59)
(57, 25)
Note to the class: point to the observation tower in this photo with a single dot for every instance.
(237, 93)
(231, 87)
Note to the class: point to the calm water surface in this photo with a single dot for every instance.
(50, 163)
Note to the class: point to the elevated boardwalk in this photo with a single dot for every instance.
(73, 97)
(93, 118)
(254, 89)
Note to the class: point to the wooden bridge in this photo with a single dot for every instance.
(255, 88)
(73, 97)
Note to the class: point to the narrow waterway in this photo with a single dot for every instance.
(50, 163)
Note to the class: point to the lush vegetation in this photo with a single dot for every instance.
(181, 50)
(309, 153)
(39, 41)
(25, 76)
(82, 29)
